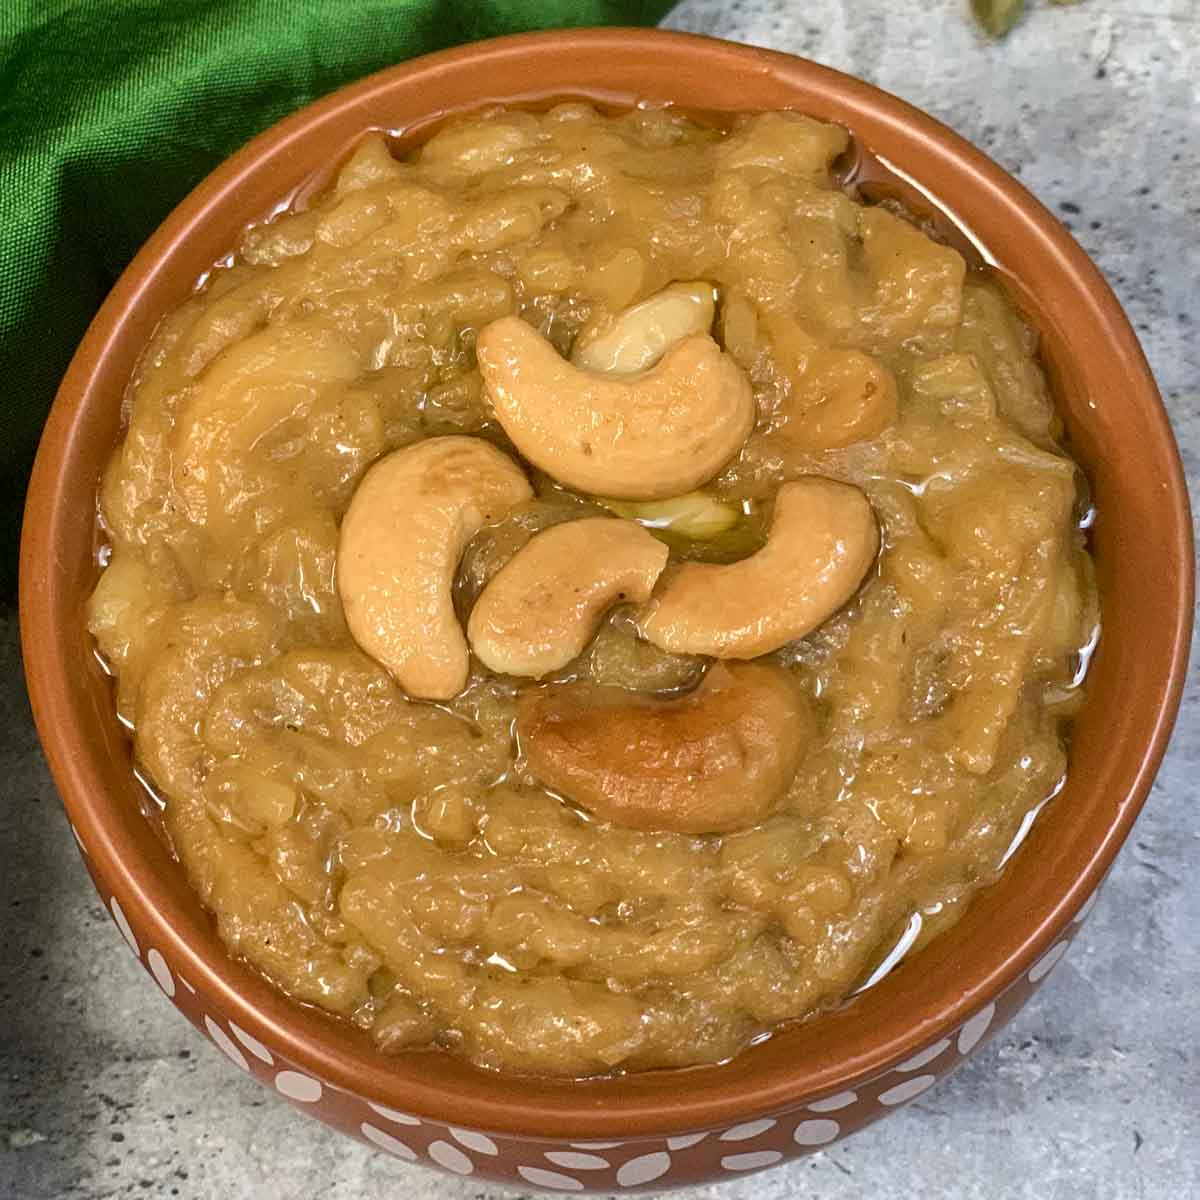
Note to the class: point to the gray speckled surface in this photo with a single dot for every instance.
(1093, 1091)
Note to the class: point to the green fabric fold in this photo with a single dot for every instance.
(112, 110)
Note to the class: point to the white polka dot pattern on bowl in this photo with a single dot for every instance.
(252, 1044)
(750, 1129)
(565, 1167)
(226, 1043)
(816, 1133)
(123, 925)
(754, 1161)
(549, 1179)
(392, 1114)
(385, 1141)
(479, 1142)
(161, 972)
(646, 1168)
(905, 1091)
(833, 1103)
(1086, 908)
(975, 1028)
(1047, 962)
(451, 1157)
(924, 1057)
(296, 1086)
(577, 1160)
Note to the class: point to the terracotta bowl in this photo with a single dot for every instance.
(814, 1083)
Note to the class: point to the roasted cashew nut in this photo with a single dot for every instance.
(822, 539)
(401, 540)
(634, 340)
(718, 759)
(646, 436)
(638, 336)
(545, 605)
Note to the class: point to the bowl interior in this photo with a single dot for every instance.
(1116, 425)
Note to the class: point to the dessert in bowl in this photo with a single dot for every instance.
(765, 685)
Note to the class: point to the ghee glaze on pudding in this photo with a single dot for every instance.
(582, 591)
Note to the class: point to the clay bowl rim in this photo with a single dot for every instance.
(583, 63)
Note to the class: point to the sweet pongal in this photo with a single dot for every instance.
(582, 590)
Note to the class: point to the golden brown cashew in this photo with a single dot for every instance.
(646, 436)
(400, 543)
(717, 759)
(823, 538)
(544, 606)
(640, 335)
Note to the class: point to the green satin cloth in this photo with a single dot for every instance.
(112, 110)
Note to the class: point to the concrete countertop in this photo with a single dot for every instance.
(1094, 1090)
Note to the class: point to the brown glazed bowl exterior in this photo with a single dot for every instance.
(815, 1082)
